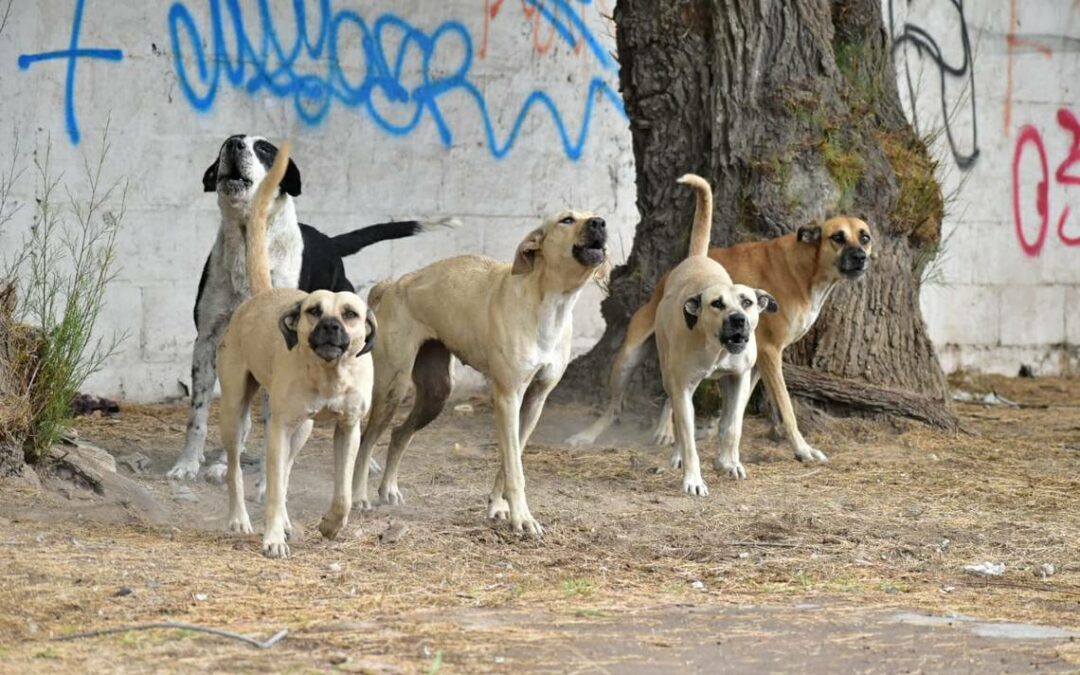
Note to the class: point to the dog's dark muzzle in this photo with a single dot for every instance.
(329, 340)
(735, 333)
(590, 250)
(231, 178)
(853, 263)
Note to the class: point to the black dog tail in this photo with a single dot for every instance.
(351, 242)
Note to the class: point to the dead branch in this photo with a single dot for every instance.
(270, 642)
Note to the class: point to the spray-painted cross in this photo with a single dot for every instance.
(73, 53)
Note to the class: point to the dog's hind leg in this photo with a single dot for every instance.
(203, 375)
(346, 443)
(387, 394)
(237, 391)
(770, 364)
(629, 357)
(736, 389)
(433, 381)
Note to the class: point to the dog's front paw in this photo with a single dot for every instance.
(240, 524)
(732, 469)
(184, 469)
(391, 495)
(808, 454)
(498, 508)
(695, 486)
(331, 525)
(216, 473)
(362, 504)
(275, 549)
(526, 524)
(676, 458)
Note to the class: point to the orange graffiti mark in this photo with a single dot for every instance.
(1013, 41)
(532, 13)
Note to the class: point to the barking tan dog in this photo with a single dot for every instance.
(705, 328)
(801, 270)
(510, 322)
(311, 353)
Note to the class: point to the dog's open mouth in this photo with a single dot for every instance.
(328, 351)
(735, 342)
(591, 253)
(233, 183)
(854, 271)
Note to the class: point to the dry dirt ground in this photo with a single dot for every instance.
(855, 565)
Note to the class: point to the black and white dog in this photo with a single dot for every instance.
(300, 257)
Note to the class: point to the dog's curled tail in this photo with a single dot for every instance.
(699, 236)
(258, 256)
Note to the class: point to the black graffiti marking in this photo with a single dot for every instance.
(926, 46)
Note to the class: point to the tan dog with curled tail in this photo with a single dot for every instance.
(311, 353)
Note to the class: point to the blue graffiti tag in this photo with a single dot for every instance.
(73, 53)
(446, 57)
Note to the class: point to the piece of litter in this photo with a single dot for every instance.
(1045, 570)
(948, 589)
(986, 569)
(744, 555)
(334, 567)
(201, 597)
(697, 586)
(464, 409)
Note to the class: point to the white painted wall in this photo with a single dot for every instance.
(1009, 297)
(356, 170)
(1000, 306)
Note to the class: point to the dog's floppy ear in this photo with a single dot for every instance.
(209, 177)
(691, 310)
(525, 258)
(287, 325)
(369, 341)
(290, 184)
(766, 303)
(809, 234)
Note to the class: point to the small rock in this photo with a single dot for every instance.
(948, 589)
(656, 470)
(137, 463)
(334, 567)
(1026, 371)
(697, 585)
(201, 597)
(392, 533)
(932, 457)
(33, 628)
(183, 493)
(337, 659)
(744, 555)
(986, 569)
(1045, 570)
(464, 409)
(122, 591)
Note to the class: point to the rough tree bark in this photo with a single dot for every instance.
(791, 110)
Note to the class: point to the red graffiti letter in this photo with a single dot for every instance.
(1029, 134)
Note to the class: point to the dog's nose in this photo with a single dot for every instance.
(332, 327)
(737, 321)
(858, 255)
(596, 223)
(235, 143)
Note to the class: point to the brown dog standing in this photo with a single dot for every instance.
(800, 269)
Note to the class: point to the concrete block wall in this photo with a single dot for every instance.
(543, 79)
(497, 112)
(1011, 259)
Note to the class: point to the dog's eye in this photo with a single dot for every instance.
(569, 220)
(838, 237)
(264, 148)
(315, 311)
(746, 302)
(349, 315)
(864, 238)
(718, 303)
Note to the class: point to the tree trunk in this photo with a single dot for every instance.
(791, 111)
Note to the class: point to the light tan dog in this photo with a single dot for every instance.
(513, 323)
(311, 353)
(801, 270)
(705, 328)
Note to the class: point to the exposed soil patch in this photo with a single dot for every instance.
(631, 572)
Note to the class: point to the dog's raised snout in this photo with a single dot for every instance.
(596, 223)
(234, 144)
